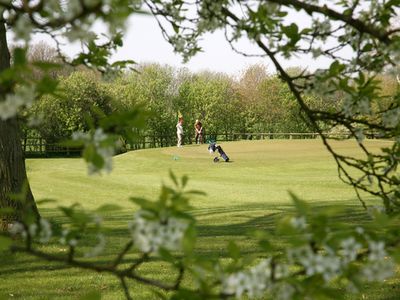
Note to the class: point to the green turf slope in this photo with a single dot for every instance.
(247, 193)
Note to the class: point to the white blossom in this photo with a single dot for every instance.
(375, 210)
(298, 222)
(254, 282)
(316, 52)
(45, 231)
(98, 139)
(376, 250)
(97, 220)
(315, 263)
(17, 228)
(378, 270)
(360, 230)
(281, 271)
(80, 34)
(66, 240)
(391, 118)
(98, 248)
(32, 229)
(350, 248)
(53, 8)
(359, 135)
(23, 29)
(150, 235)
(74, 7)
(23, 96)
(284, 291)
(73, 242)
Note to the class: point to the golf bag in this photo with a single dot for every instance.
(214, 147)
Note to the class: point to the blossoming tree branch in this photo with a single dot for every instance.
(318, 253)
(361, 42)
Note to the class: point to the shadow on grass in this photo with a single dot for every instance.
(227, 228)
(218, 225)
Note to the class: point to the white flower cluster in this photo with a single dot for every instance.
(150, 235)
(23, 96)
(353, 106)
(379, 266)
(43, 231)
(298, 222)
(254, 282)
(53, 8)
(74, 8)
(391, 118)
(283, 291)
(23, 29)
(66, 239)
(179, 43)
(98, 248)
(324, 28)
(350, 249)
(82, 34)
(17, 228)
(315, 263)
(378, 270)
(359, 134)
(97, 139)
(376, 250)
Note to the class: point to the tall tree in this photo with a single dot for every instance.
(19, 87)
(12, 164)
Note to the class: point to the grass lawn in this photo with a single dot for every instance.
(249, 192)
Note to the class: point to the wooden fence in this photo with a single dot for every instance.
(35, 146)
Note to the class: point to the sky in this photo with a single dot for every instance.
(144, 43)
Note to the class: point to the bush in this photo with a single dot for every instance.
(80, 99)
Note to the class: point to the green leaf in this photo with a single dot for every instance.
(301, 206)
(6, 211)
(184, 294)
(233, 250)
(108, 208)
(189, 239)
(46, 66)
(46, 85)
(45, 201)
(173, 178)
(144, 203)
(336, 68)
(368, 47)
(265, 245)
(160, 295)
(5, 243)
(166, 255)
(93, 295)
(183, 215)
(292, 32)
(196, 192)
(184, 180)
(20, 57)
(176, 27)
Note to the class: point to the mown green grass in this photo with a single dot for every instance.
(248, 193)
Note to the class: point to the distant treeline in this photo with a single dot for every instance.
(255, 101)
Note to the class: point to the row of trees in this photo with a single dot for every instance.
(255, 102)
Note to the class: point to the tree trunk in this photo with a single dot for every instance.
(12, 163)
